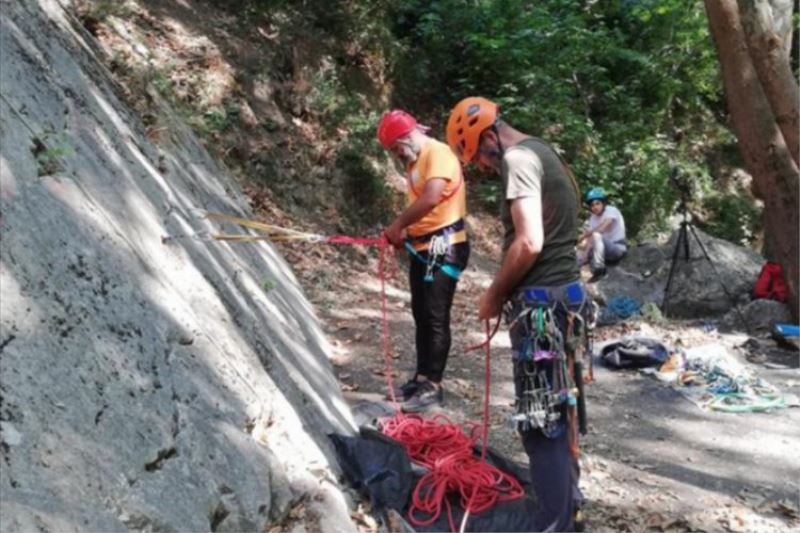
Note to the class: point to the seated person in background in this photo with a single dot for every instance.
(604, 237)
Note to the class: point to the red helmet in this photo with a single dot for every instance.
(395, 124)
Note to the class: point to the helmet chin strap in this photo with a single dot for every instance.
(497, 153)
(500, 149)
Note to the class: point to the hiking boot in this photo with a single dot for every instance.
(405, 391)
(426, 395)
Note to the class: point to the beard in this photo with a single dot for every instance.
(408, 154)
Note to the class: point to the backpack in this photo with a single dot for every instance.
(634, 352)
(770, 283)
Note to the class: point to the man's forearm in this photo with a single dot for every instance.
(521, 256)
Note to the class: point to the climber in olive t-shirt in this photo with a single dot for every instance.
(539, 280)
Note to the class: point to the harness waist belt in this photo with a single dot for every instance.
(450, 270)
(570, 294)
(458, 225)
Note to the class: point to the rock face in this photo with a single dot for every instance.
(698, 286)
(760, 315)
(144, 385)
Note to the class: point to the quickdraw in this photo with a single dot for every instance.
(550, 369)
(436, 257)
(542, 370)
(437, 252)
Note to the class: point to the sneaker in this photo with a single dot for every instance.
(426, 395)
(405, 391)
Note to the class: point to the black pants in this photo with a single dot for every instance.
(430, 303)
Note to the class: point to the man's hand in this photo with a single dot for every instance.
(490, 305)
(395, 234)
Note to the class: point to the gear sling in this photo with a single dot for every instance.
(552, 325)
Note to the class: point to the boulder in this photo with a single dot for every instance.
(700, 286)
(144, 384)
(760, 315)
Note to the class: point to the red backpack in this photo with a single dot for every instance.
(770, 283)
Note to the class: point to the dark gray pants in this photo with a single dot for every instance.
(600, 249)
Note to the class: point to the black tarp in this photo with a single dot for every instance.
(380, 468)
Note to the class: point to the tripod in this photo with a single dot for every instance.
(682, 243)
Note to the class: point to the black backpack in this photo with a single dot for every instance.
(634, 352)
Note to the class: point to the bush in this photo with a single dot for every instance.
(732, 218)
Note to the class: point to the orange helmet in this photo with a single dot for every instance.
(468, 119)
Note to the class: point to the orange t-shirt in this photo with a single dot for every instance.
(436, 160)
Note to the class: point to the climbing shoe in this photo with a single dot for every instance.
(426, 395)
(405, 391)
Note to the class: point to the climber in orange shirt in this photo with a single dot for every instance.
(432, 230)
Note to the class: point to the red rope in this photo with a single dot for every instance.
(487, 388)
(369, 241)
(489, 336)
(442, 446)
(387, 354)
(437, 443)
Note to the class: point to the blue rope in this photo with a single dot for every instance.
(623, 306)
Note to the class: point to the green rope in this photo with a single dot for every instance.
(764, 402)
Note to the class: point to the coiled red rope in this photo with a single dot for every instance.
(443, 447)
(437, 443)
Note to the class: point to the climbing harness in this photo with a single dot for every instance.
(437, 254)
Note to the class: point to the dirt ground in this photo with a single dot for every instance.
(651, 459)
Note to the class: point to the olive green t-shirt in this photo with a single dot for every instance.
(532, 168)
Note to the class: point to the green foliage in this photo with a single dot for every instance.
(218, 119)
(732, 218)
(268, 285)
(487, 193)
(161, 82)
(96, 11)
(49, 153)
(211, 122)
(625, 90)
(340, 110)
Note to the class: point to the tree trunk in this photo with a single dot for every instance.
(771, 62)
(761, 142)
